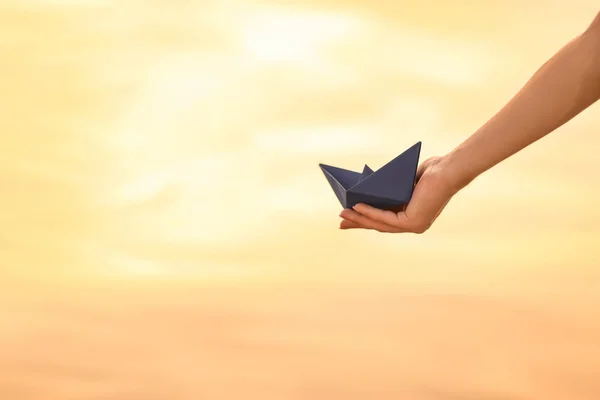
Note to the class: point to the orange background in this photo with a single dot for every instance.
(167, 233)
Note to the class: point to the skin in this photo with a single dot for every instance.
(562, 88)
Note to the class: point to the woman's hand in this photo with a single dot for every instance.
(433, 191)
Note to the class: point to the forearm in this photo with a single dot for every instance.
(562, 88)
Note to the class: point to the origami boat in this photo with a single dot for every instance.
(389, 187)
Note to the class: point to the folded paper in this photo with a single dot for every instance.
(389, 187)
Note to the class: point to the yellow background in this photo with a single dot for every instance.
(167, 233)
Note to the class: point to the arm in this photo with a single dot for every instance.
(563, 87)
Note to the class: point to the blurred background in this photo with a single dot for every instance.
(167, 233)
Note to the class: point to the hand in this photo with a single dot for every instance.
(433, 191)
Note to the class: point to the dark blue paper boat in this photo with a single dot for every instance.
(389, 187)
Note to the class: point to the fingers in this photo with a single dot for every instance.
(375, 214)
(399, 222)
(364, 216)
(347, 224)
(367, 217)
(357, 220)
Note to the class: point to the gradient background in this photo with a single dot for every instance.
(167, 233)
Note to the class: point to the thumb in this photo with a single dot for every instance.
(424, 166)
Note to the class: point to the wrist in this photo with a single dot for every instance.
(458, 168)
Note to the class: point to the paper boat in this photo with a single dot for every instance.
(389, 187)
